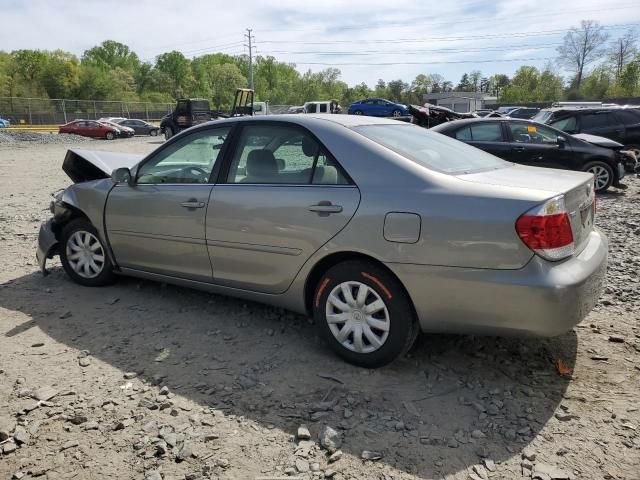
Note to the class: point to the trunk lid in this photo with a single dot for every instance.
(577, 188)
(85, 165)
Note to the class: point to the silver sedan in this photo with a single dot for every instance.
(376, 228)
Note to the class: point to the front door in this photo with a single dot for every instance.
(538, 146)
(158, 224)
(284, 198)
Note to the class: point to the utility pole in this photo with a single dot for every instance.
(250, 38)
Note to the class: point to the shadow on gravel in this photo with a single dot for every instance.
(267, 365)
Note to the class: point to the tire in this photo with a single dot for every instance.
(603, 174)
(395, 317)
(168, 133)
(73, 240)
(153, 133)
(396, 113)
(109, 136)
(358, 112)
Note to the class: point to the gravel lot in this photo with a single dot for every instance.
(144, 380)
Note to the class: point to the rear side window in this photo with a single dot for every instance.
(597, 120)
(464, 134)
(431, 150)
(323, 108)
(482, 132)
(628, 117)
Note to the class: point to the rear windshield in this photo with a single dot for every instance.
(431, 150)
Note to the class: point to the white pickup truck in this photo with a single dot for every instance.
(329, 106)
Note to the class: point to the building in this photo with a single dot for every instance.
(460, 101)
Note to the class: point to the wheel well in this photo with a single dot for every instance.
(70, 214)
(329, 261)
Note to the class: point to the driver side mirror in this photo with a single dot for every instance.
(122, 175)
(561, 141)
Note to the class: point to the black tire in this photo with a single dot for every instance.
(358, 112)
(401, 319)
(80, 226)
(599, 168)
(168, 133)
(110, 136)
(154, 133)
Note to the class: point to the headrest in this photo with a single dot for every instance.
(261, 163)
(309, 146)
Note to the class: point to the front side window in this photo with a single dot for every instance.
(530, 133)
(431, 150)
(281, 155)
(566, 124)
(628, 117)
(188, 160)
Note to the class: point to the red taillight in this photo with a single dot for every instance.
(547, 230)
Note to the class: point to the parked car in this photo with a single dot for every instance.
(112, 119)
(619, 124)
(431, 115)
(630, 160)
(261, 108)
(123, 131)
(529, 143)
(4, 123)
(482, 112)
(90, 128)
(296, 109)
(140, 127)
(506, 110)
(428, 233)
(523, 112)
(377, 107)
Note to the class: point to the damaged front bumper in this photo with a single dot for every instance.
(47, 245)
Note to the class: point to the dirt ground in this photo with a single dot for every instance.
(145, 380)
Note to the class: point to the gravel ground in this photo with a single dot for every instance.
(17, 138)
(145, 380)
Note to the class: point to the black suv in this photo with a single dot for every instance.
(188, 112)
(619, 124)
(530, 143)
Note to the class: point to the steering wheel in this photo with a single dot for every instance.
(198, 172)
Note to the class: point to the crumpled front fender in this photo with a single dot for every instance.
(47, 244)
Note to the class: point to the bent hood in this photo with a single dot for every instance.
(84, 165)
(597, 140)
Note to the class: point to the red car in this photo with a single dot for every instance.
(89, 128)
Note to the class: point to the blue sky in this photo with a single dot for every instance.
(366, 40)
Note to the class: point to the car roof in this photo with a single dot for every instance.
(311, 119)
(468, 121)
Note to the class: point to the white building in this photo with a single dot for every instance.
(460, 101)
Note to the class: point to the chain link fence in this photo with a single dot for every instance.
(49, 111)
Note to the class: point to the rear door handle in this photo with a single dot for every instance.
(325, 207)
(193, 203)
(519, 149)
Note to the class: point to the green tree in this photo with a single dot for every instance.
(111, 54)
(581, 47)
(177, 70)
(60, 74)
(225, 79)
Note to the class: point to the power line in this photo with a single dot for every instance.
(423, 63)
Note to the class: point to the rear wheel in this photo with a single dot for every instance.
(109, 136)
(364, 314)
(358, 112)
(83, 255)
(168, 133)
(603, 175)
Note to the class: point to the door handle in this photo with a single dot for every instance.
(325, 207)
(519, 149)
(193, 203)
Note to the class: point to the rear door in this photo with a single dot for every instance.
(281, 198)
(603, 123)
(631, 121)
(537, 145)
(157, 224)
(486, 135)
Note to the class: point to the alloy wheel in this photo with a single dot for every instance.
(601, 176)
(358, 317)
(85, 254)
(396, 113)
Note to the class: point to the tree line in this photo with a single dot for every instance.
(600, 67)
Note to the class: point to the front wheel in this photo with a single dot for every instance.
(83, 255)
(153, 133)
(396, 113)
(168, 133)
(364, 314)
(603, 175)
(109, 136)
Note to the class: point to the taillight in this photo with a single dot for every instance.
(547, 230)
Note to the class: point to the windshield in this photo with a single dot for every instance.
(542, 116)
(431, 150)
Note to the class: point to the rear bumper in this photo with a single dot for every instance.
(542, 299)
(47, 244)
